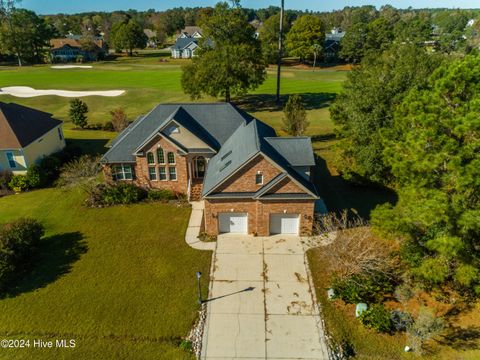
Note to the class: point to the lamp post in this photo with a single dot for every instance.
(199, 275)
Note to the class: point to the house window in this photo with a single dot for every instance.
(150, 158)
(60, 135)
(122, 172)
(259, 178)
(162, 173)
(160, 156)
(152, 173)
(172, 173)
(171, 158)
(11, 160)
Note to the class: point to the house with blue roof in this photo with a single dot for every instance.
(251, 180)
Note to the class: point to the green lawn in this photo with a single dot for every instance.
(120, 281)
(148, 82)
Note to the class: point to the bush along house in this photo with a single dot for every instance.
(251, 181)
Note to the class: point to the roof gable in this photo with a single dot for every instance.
(20, 125)
(216, 122)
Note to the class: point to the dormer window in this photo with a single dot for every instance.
(259, 178)
(172, 129)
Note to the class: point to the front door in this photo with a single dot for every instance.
(200, 165)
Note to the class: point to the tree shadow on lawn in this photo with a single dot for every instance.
(89, 146)
(462, 338)
(268, 102)
(340, 194)
(55, 257)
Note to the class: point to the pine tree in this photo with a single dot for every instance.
(78, 113)
(295, 117)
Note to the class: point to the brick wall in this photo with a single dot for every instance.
(245, 181)
(141, 168)
(286, 186)
(259, 213)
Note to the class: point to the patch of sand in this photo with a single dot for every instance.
(28, 92)
(71, 66)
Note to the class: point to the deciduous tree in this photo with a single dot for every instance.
(229, 59)
(306, 33)
(128, 35)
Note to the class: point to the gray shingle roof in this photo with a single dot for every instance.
(182, 43)
(236, 135)
(248, 141)
(296, 150)
(218, 120)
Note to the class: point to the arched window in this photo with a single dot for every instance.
(171, 158)
(160, 156)
(150, 158)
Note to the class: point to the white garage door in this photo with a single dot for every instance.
(284, 223)
(233, 223)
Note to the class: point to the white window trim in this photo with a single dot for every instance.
(174, 159)
(153, 156)
(156, 154)
(176, 174)
(166, 173)
(123, 172)
(156, 174)
(257, 174)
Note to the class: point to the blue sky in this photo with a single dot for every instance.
(69, 6)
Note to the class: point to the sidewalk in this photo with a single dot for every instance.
(191, 237)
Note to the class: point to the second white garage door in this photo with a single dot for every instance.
(284, 224)
(233, 223)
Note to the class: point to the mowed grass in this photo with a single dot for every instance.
(120, 281)
(147, 82)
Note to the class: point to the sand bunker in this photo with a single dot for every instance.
(28, 92)
(71, 66)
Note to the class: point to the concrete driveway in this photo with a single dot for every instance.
(260, 304)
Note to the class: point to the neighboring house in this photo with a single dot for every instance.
(191, 32)
(251, 180)
(70, 49)
(26, 136)
(184, 48)
(332, 44)
(152, 38)
(186, 43)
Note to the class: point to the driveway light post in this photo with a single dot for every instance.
(199, 275)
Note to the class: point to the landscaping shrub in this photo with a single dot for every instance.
(5, 178)
(425, 327)
(123, 193)
(18, 242)
(400, 320)
(362, 288)
(161, 195)
(19, 183)
(36, 177)
(108, 126)
(377, 317)
(80, 170)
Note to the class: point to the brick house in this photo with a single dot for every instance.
(250, 180)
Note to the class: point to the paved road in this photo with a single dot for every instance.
(261, 304)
